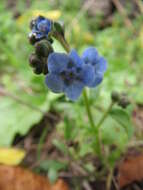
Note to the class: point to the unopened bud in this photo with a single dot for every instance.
(124, 102)
(43, 48)
(45, 69)
(34, 60)
(115, 96)
(59, 28)
(37, 70)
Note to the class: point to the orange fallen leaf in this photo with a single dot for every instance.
(131, 169)
(60, 185)
(17, 178)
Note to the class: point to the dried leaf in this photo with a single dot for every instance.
(17, 178)
(11, 156)
(131, 169)
(138, 118)
(60, 185)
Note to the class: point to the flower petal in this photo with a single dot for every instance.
(44, 26)
(97, 80)
(101, 65)
(74, 90)
(57, 62)
(87, 74)
(90, 55)
(54, 82)
(75, 57)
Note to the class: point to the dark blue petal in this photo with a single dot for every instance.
(101, 65)
(44, 26)
(54, 82)
(57, 62)
(90, 55)
(74, 90)
(87, 74)
(75, 57)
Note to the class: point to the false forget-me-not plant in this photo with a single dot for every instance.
(69, 73)
(66, 73)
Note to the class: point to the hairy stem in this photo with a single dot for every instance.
(105, 115)
(41, 142)
(87, 105)
(63, 42)
(98, 147)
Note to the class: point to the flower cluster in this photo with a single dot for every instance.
(70, 73)
(65, 73)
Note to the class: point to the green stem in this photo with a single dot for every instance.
(87, 105)
(63, 42)
(105, 115)
(41, 142)
(98, 147)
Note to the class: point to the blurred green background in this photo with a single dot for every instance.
(25, 99)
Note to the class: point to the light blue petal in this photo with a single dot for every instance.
(97, 80)
(75, 57)
(101, 65)
(74, 90)
(57, 62)
(88, 74)
(54, 82)
(90, 55)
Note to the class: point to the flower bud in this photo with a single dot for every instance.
(124, 102)
(115, 96)
(32, 38)
(45, 69)
(37, 70)
(34, 60)
(59, 28)
(43, 48)
(32, 24)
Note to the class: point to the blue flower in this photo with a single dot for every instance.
(68, 74)
(41, 27)
(91, 57)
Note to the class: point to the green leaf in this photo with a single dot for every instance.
(61, 146)
(53, 175)
(122, 117)
(56, 165)
(15, 119)
(52, 166)
(113, 133)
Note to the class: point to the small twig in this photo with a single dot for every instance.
(115, 183)
(3, 92)
(123, 12)
(139, 4)
(135, 144)
(109, 180)
(86, 185)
